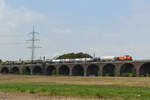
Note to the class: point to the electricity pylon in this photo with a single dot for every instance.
(33, 46)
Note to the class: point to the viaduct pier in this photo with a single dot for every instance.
(117, 68)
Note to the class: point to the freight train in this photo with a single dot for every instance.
(96, 59)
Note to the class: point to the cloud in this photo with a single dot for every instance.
(119, 36)
(2, 4)
(12, 18)
(13, 25)
(134, 30)
(128, 34)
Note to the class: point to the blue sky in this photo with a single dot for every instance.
(103, 27)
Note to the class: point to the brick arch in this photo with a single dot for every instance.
(15, 70)
(64, 70)
(51, 70)
(4, 70)
(37, 70)
(78, 70)
(93, 70)
(127, 68)
(109, 69)
(144, 69)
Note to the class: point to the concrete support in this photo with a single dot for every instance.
(85, 69)
(70, 71)
(117, 68)
(20, 70)
(31, 71)
(137, 72)
(100, 70)
(57, 69)
(138, 66)
(44, 69)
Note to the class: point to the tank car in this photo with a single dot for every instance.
(107, 58)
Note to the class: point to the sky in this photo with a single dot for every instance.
(103, 27)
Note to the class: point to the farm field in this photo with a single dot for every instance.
(21, 87)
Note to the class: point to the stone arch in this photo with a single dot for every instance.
(4, 70)
(92, 70)
(15, 70)
(37, 70)
(145, 69)
(51, 70)
(77, 70)
(127, 69)
(64, 70)
(109, 69)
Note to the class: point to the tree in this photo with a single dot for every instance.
(1, 61)
(74, 55)
(23, 69)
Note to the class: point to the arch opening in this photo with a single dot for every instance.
(64, 70)
(51, 70)
(109, 70)
(93, 70)
(77, 70)
(128, 70)
(5, 70)
(15, 70)
(37, 70)
(145, 69)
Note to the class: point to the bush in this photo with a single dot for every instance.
(107, 75)
(38, 73)
(99, 73)
(22, 90)
(23, 69)
(128, 75)
(115, 72)
(53, 72)
(141, 75)
(32, 92)
(147, 75)
(2, 63)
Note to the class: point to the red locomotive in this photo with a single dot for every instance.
(124, 58)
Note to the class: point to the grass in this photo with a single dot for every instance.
(125, 81)
(85, 87)
(87, 91)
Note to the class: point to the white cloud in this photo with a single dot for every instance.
(12, 18)
(124, 35)
(13, 23)
(134, 31)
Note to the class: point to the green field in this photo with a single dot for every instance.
(79, 87)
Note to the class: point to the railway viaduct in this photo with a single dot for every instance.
(138, 68)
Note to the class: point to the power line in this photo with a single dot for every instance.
(10, 43)
(33, 41)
